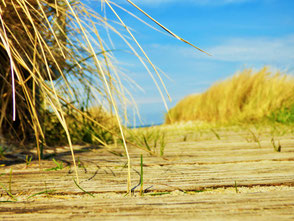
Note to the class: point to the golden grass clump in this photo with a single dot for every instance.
(55, 52)
(25, 39)
(55, 63)
(46, 47)
(248, 96)
(83, 130)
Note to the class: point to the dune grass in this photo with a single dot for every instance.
(249, 96)
(54, 58)
(81, 129)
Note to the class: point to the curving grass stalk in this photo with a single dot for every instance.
(53, 52)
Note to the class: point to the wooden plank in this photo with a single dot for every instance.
(268, 205)
(198, 179)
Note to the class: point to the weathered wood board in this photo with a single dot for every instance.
(208, 179)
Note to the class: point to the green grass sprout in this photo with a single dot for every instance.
(41, 193)
(8, 192)
(278, 147)
(90, 194)
(59, 166)
(236, 187)
(215, 133)
(28, 160)
(159, 193)
(141, 177)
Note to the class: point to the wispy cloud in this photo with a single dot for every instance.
(243, 50)
(269, 50)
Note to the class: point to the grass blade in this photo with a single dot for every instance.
(167, 30)
(7, 191)
(141, 177)
(40, 193)
(90, 194)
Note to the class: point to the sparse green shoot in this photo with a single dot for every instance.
(162, 144)
(8, 191)
(90, 194)
(59, 166)
(215, 133)
(28, 160)
(41, 193)
(10, 179)
(151, 139)
(159, 193)
(236, 187)
(2, 152)
(141, 177)
(278, 147)
(255, 138)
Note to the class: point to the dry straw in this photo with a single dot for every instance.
(246, 97)
(46, 47)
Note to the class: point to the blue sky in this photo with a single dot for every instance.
(238, 33)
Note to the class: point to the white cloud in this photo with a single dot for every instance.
(270, 50)
(242, 50)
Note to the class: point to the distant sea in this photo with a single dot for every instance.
(144, 125)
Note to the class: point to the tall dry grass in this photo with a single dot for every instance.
(248, 96)
(52, 54)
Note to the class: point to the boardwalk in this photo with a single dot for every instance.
(232, 178)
